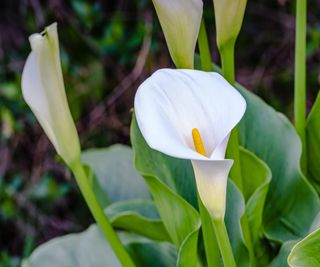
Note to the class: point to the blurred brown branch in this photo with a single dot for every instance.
(99, 113)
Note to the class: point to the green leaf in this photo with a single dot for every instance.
(187, 255)
(89, 248)
(270, 136)
(306, 252)
(313, 143)
(139, 216)
(177, 174)
(116, 174)
(179, 217)
(74, 250)
(166, 178)
(256, 179)
(281, 259)
(235, 210)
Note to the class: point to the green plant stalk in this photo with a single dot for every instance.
(99, 215)
(210, 242)
(227, 56)
(209, 237)
(203, 44)
(227, 59)
(224, 243)
(228, 71)
(300, 77)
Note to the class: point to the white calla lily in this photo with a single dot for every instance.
(170, 104)
(180, 21)
(43, 90)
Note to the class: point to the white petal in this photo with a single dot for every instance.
(180, 21)
(171, 103)
(34, 96)
(220, 151)
(43, 90)
(211, 179)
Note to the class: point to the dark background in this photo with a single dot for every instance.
(107, 50)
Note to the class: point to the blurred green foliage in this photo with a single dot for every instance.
(100, 44)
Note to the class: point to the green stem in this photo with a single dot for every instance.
(228, 70)
(300, 77)
(227, 59)
(209, 237)
(204, 49)
(233, 153)
(224, 243)
(99, 215)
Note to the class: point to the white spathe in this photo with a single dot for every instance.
(170, 103)
(180, 21)
(43, 90)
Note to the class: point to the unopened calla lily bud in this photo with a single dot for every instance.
(228, 15)
(43, 90)
(180, 21)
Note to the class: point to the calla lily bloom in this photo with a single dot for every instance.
(43, 90)
(189, 114)
(180, 21)
(228, 15)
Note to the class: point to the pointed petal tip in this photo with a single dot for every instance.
(35, 39)
(52, 28)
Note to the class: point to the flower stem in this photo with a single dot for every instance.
(209, 237)
(203, 44)
(227, 61)
(99, 215)
(224, 243)
(227, 58)
(228, 70)
(300, 77)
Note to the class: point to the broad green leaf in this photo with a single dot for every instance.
(188, 249)
(116, 174)
(89, 248)
(179, 218)
(315, 224)
(281, 259)
(209, 247)
(155, 254)
(270, 136)
(313, 143)
(74, 250)
(235, 210)
(166, 178)
(139, 216)
(306, 251)
(256, 178)
(175, 173)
